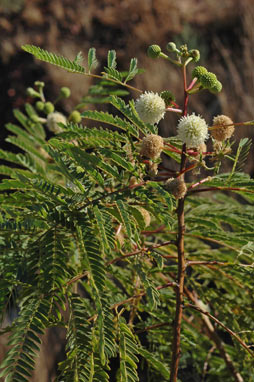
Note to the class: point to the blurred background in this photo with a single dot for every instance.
(223, 31)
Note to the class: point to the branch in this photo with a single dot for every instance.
(181, 260)
(222, 189)
(130, 299)
(233, 334)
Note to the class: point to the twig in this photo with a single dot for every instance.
(130, 299)
(222, 189)
(144, 249)
(151, 327)
(206, 362)
(215, 338)
(196, 262)
(233, 334)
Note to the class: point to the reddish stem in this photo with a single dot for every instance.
(176, 350)
(174, 110)
(187, 169)
(191, 84)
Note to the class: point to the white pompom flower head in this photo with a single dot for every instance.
(192, 130)
(150, 107)
(52, 122)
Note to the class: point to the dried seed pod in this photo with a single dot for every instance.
(133, 181)
(177, 187)
(223, 131)
(152, 169)
(146, 216)
(152, 146)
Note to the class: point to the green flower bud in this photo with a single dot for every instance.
(39, 84)
(167, 96)
(75, 116)
(32, 93)
(48, 107)
(198, 72)
(217, 87)
(65, 92)
(184, 51)
(171, 47)
(153, 51)
(208, 80)
(39, 105)
(195, 54)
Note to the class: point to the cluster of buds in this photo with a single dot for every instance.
(205, 80)
(154, 51)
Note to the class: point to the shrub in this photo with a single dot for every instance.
(137, 262)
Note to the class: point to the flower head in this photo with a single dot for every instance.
(192, 130)
(150, 107)
(52, 122)
(223, 131)
(177, 187)
(152, 146)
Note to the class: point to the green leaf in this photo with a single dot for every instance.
(54, 59)
(112, 59)
(101, 227)
(92, 60)
(133, 70)
(111, 120)
(155, 363)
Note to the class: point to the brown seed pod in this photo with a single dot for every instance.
(146, 216)
(224, 131)
(177, 187)
(152, 169)
(152, 146)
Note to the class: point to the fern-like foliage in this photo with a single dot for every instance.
(54, 59)
(25, 340)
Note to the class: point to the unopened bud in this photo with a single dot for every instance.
(32, 93)
(198, 72)
(75, 116)
(195, 54)
(167, 96)
(153, 51)
(171, 47)
(65, 92)
(48, 108)
(39, 105)
(40, 84)
(208, 80)
(216, 88)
